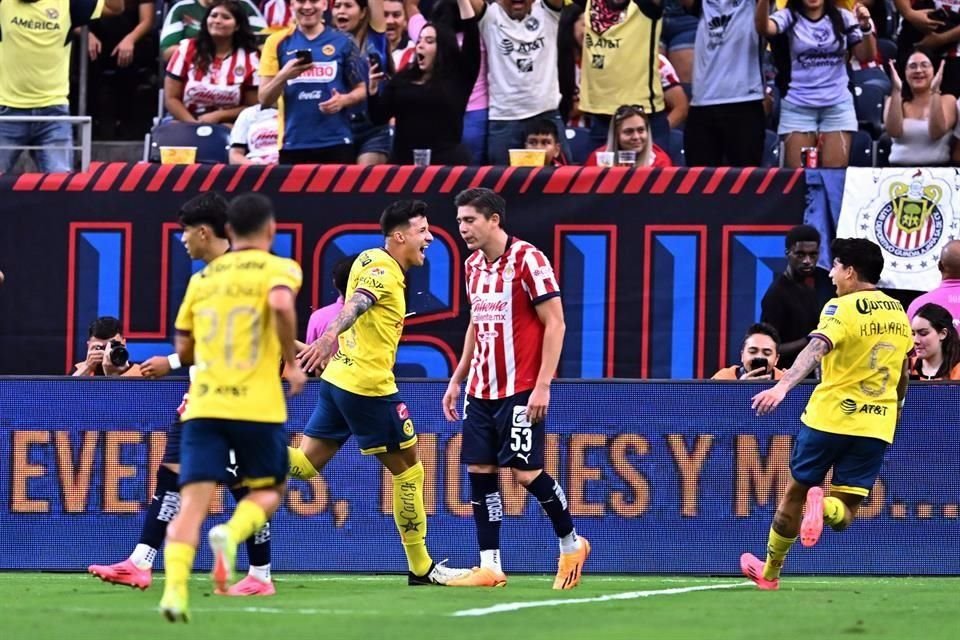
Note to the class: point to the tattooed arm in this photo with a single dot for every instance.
(318, 354)
(768, 400)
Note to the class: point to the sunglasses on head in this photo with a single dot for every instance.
(628, 110)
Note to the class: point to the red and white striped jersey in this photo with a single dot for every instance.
(509, 335)
(277, 13)
(221, 86)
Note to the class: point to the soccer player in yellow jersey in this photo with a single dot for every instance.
(358, 393)
(236, 321)
(862, 342)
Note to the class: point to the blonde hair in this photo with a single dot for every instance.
(645, 156)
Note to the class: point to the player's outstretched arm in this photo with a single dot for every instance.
(550, 313)
(318, 354)
(459, 375)
(768, 399)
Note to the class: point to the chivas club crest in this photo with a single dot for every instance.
(910, 224)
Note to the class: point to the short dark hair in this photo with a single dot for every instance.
(248, 213)
(341, 274)
(399, 214)
(801, 233)
(861, 254)
(542, 127)
(763, 328)
(485, 201)
(104, 328)
(208, 208)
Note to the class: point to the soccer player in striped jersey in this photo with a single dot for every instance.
(510, 354)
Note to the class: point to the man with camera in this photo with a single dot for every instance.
(759, 356)
(107, 353)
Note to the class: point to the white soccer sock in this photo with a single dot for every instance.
(490, 559)
(142, 556)
(260, 573)
(569, 543)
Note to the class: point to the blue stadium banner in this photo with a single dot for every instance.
(655, 476)
(643, 255)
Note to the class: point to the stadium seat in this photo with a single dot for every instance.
(580, 145)
(211, 140)
(881, 151)
(861, 150)
(868, 101)
(676, 148)
(771, 150)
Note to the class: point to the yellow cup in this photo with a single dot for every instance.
(178, 155)
(527, 157)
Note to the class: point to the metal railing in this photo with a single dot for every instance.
(86, 135)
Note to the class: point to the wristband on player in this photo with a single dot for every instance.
(174, 361)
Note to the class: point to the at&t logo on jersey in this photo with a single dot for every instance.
(319, 72)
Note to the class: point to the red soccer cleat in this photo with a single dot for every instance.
(752, 567)
(812, 525)
(125, 573)
(250, 586)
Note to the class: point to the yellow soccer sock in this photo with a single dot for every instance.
(834, 511)
(300, 466)
(411, 518)
(777, 548)
(178, 563)
(245, 521)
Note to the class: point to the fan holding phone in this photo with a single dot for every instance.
(759, 356)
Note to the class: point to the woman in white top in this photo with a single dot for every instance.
(917, 116)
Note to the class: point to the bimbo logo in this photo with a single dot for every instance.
(319, 72)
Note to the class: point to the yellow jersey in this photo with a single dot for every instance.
(35, 49)
(237, 351)
(368, 349)
(870, 336)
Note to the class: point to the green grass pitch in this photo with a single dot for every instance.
(38, 606)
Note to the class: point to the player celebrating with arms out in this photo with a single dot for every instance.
(358, 392)
(237, 319)
(863, 339)
(510, 352)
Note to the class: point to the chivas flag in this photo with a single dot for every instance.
(910, 213)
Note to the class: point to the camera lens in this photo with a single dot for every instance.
(119, 355)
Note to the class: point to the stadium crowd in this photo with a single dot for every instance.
(632, 82)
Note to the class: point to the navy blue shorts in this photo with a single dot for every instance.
(497, 432)
(171, 452)
(856, 460)
(380, 423)
(251, 454)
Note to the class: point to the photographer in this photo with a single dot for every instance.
(107, 353)
(759, 356)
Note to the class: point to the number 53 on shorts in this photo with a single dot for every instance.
(521, 431)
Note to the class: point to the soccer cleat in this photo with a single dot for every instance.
(752, 567)
(812, 524)
(249, 586)
(439, 574)
(125, 573)
(480, 577)
(570, 566)
(173, 605)
(224, 557)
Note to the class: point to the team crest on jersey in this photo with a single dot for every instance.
(53, 14)
(532, 24)
(239, 71)
(408, 427)
(328, 50)
(508, 273)
(830, 310)
(403, 412)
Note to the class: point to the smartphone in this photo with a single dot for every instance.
(374, 60)
(758, 363)
(304, 56)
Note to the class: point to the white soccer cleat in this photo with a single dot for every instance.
(438, 575)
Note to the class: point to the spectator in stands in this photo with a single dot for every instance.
(253, 139)
(107, 353)
(917, 116)
(793, 301)
(759, 356)
(726, 124)
(428, 98)
(933, 25)
(363, 20)
(620, 56)
(187, 17)
(569, 56)
(674, 95)
(395, 23)
(520, 38)
(317, 88)
(542, 134)
(947, 293)
(816, 102)
(678, 37)
(213, 77)
(323, 316)
(936, 346)
(34, 77)
(630, 131)
(871, 72)
(121, 48)
(278, 14)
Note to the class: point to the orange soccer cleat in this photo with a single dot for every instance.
(570, 566)
(125, 573)
(481, 577)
